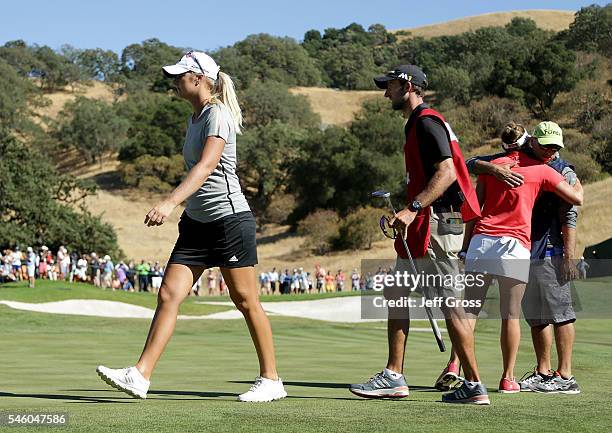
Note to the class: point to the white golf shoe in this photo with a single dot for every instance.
(128, 380)
(264, 390)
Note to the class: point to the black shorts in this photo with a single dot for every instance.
(228, 242)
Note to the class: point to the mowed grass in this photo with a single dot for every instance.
(52, 291)
(47, 363)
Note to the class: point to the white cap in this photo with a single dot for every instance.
(44, 248)
(30, 249)
(107, 257)
(194, 61)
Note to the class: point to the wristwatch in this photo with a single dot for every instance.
(415, 206)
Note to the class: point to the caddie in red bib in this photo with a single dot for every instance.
(439, 198)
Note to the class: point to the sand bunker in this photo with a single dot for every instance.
(93, 307)
(346, 309)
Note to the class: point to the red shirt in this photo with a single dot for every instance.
(507, 211)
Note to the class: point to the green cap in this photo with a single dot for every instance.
(548, 133)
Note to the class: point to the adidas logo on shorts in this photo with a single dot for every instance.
(233, 259)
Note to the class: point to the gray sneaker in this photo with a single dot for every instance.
(531, 379)
(381, 385)
(468, 394)
(557, 385)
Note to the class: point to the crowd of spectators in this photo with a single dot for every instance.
(318, 281)
(32, 265)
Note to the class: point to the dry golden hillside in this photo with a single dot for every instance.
(336, 107)
(556, 20)
(93, 90)
(277, 248)
(126, 214)
(594, 222)
(281, 249)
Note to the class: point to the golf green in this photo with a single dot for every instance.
(47, 363)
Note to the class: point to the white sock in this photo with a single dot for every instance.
(392, 373)
(268, 379)
(472, 384)
(139, 374)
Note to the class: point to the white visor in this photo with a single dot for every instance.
(517, 144)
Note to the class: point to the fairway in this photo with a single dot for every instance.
(48, 363)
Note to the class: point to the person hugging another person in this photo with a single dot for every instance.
(547, 304)
(498, 244)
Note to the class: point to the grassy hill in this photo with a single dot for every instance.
(336, 107)
(93, 90)
(547, 19)
(125, 209)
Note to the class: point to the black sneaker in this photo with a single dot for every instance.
(531, 379)
(468, 394)
(557, 385)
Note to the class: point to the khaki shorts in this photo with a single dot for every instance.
(548, 297)
(441, 259)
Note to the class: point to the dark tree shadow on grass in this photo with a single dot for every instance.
(72, 398)
(335, 385)
(161, 393)
(305, 384)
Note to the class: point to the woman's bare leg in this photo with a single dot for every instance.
(242, 285)
(510, 293)
(477, 293)
(175, 286)
(461, 324)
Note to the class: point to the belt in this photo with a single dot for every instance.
(437, 208)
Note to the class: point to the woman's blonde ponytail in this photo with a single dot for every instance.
(224, 91)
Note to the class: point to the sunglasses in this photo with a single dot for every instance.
(554, 147)
(179, 76)
(195, 59)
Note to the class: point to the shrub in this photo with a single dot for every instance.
(280, 207)
(587, 169)
(483, 120)
(586, 152)
(359, 229)
(156, 174)
(321, 230)
(602, 132)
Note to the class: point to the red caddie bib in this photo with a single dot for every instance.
(419, 231)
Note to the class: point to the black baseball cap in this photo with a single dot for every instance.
(410, 73)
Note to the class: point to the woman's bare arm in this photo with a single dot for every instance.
(571, 194)
(469, 226)
(211, 155)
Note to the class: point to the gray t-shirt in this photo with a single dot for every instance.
(221, 194)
